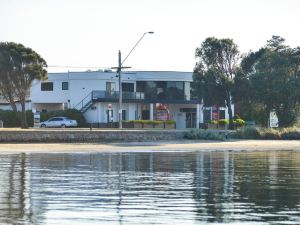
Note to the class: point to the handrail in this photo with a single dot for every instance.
(83, 102)
(115, 95)
(94, 95)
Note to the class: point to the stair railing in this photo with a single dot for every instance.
(86, 100)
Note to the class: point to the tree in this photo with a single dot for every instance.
(7, 90)
(273, 73)
(19, 66)
(215, 71)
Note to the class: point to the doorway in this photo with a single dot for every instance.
(190, 119)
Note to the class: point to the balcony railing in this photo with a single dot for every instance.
(97, 95)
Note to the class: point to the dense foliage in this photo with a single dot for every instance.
(11, 118)
(215, 71)
(204, 135)
(152, 122)
(265, 80)
(272, 79)
(19, 66)
(267, 133)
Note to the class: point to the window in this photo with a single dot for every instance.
(175, 90)
(123, 114)
(110, 87)
(207, 115)
(161, 90)
(65, 86)
(47, 86)
(127, 87)
(222, 114)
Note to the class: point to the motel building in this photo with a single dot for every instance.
(146, 95)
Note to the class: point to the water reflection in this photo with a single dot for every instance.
(151, 188)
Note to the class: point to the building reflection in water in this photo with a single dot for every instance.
(157, 187)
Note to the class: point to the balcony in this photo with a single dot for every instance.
(114, 95)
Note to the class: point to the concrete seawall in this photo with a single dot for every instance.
(82, 136)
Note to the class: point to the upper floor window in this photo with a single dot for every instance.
(161, 90)
(128, 87)
(110, 87)
(47, 86)
(65, 86)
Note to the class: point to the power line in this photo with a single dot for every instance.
(79, 67)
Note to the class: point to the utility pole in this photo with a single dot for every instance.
(120, 90)
(119, 70)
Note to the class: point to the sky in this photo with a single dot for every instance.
(81, 34)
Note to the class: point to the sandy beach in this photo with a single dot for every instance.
(183, 145)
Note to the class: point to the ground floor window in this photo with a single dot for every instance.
(222, 114)
(206, 115)
(145, 115)
(123, 114)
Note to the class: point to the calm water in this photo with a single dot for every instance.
(151, 188)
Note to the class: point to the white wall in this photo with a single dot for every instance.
(48, 106)
(83, 83)
(19, 108)
(56, 96)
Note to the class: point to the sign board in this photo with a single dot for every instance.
(36, 119)
(162, 115)
(273, 119)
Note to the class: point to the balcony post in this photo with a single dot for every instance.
(198, 116)
(151, 111)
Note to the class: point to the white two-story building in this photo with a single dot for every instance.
(145, 95)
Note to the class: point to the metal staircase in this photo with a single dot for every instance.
(85, 103)
(105, 96)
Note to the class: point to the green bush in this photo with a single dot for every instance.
(223, 122)
(70, 113)
(29, 116)
(204, 135)
(270, 134)
(215, 122)
(239, 122)
(290, 134)
(152, 122)
(267, 133)
(247, 133)
(12, 119)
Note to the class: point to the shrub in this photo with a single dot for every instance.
(247, 133)
(213, 122)
(239, 122)
(203, 135)
(290, 134)
(12, 119)
(267, 133)
(153, 122)
(270, 134)
(223, 122)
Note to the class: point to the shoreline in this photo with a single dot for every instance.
(181, 145)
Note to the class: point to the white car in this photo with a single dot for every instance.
(59, 122)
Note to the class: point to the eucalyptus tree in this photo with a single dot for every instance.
(215, 71)
(273, 73)
(7, 90)
(19, 66)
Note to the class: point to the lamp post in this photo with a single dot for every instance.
(119, 69)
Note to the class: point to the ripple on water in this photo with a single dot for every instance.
(151, 188)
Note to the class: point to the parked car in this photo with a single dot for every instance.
(59, 122)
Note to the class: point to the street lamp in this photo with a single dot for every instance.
(119, 69)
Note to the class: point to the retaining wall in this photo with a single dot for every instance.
(49, 136)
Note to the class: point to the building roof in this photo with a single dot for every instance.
(126, 75)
